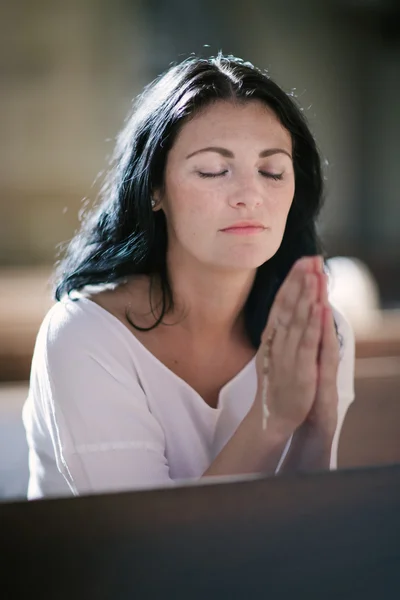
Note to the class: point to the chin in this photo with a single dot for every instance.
(245, 261)
(252, 257)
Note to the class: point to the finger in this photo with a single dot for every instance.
(323, 289)
(290, 291)
(308, 347)
(318, 264)
(288, 295)
(284, 304)
(319, 271)
(301, 316)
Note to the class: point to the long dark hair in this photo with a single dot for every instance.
(123, 236)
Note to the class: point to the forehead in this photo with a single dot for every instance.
(233, 123)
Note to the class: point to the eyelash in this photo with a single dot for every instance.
(274, 176)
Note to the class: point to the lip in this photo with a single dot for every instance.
(244, 227)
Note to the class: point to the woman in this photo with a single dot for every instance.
(193, 335)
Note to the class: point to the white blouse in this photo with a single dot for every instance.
(103, 414)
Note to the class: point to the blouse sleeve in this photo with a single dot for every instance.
(87, 405)
(345, 377)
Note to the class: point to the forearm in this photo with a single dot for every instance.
(310, 450)
(251, 449)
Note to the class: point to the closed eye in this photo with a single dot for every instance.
(274, 176)
(212, 174)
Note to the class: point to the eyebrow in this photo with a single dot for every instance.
(228, 154)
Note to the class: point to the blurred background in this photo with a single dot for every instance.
(68, 73)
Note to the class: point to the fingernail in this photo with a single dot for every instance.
(305, 262)
(319, 263)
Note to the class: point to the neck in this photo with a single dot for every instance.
(211, 301)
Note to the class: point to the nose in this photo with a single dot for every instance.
(246, 195)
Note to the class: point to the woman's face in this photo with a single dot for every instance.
(229, 185)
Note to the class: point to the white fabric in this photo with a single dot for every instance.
(104, 414)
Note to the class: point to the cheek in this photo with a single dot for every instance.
(190, 206)
(187, 215)
(281, 202)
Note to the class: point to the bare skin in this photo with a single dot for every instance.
(247, 175)
(205, 365)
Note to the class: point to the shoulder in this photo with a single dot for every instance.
(82, 353)
(74, 328)
(94, 310)
(71, 318)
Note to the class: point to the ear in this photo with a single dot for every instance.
(156, 200)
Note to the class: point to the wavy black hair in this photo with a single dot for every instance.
(124, 236)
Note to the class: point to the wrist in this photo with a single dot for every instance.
(310, 450)
(275, 435)
(277, 428)
(321, 432)
(323, 417)
(322, 425)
